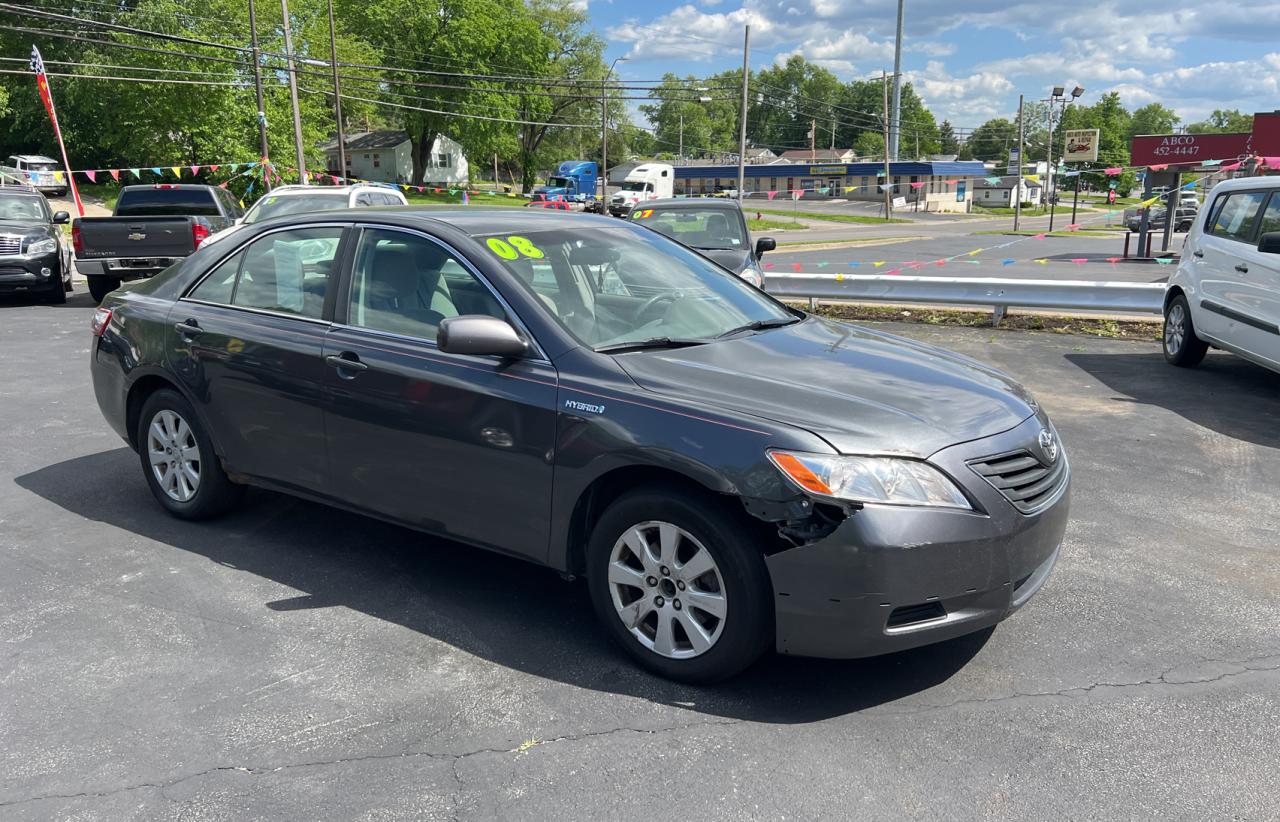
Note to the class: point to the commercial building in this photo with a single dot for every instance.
(941, 186)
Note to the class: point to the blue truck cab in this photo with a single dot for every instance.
(574, 180)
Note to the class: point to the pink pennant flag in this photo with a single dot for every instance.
(195, 170)
(1270, 162)
(917, 266)
(769, 266)
(1040, 236)
(772, 194)
(213, 168)
(796, 267)
(1113, 260)
(795, 195)
(92, 175)
(917, 185)
(939, 262)
(115, 174)
(1159, 167)
(1232, 167)
(1073, 227)
(1112, 172)
(893, 272)
(222, 185)
(1079, 260)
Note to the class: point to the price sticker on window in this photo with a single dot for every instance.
(514, 247)
(644, 215)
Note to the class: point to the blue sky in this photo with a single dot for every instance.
(970, 59)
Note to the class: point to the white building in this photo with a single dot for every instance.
(1001, 194)
(387, 157)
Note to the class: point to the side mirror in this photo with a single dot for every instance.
(1269, 243)
(479, 334)
(61, 217)
(765, 244)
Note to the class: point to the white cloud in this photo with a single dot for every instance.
(690, 34)
(967, 99)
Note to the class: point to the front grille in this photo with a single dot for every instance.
(10, 243)
(1023, 478)
(912, 614)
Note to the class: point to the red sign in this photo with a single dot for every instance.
(1193, 149)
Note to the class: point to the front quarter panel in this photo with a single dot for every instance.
(607, 423)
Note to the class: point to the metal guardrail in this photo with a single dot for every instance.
(1000, 294)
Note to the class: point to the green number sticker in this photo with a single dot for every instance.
(512, 247)
(526, 248)
(502, 249)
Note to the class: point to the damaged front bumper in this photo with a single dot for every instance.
(889, 578)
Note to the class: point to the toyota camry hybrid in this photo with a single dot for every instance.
(726, 472)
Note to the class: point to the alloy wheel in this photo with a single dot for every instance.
(174, 455)
(1175, 329)
(667, 590)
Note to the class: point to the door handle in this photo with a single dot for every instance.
(1242, 268)
(188, 328)
(1198, 253)
(346, 363)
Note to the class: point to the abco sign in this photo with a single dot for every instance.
(1193, 149)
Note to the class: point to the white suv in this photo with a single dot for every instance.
(298, 199)
(1226, 292)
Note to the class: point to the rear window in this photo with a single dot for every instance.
(166, 202)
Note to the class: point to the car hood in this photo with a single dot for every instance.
(734, 259)
(862, 391)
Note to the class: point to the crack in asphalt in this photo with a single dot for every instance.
(1245, 667)
(454, 758)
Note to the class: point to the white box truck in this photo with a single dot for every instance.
(651, 181)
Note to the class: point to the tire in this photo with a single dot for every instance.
(58, 294)
(1181, 345)
(199, 488)
(100, 287)
(736, 585)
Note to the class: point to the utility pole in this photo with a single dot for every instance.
(1017, 205)
(896, 126)
(813, 141)
(680, 154)
(293, 93)
(1049, 163)
(888, 181)
(495, 173)
(257, 86)
(337, 96)
(742, 130)
(604, 131)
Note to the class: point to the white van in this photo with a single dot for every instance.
(1226, 291)
(651, 181)
(44, 174)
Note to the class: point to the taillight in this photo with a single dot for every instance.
(101, 319)
(77, 241)
(199, 233)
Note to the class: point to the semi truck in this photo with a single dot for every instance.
(574, 181)
(651, 181)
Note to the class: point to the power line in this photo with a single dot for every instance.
(114, 44)
(63, 18)
(164, 80)
(451, 113)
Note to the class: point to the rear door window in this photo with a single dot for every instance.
(288, 272)
(1235, 218)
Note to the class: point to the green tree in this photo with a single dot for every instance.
(1152, 118)
(992, 140)
(947, 142)
(869, 144)
(709, 128)
(1223, 121)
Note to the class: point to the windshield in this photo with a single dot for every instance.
(278, 206)
(40, 166)
(22, 207)
(631, 185)
(697, 228)
(611, 285)
(557, 182)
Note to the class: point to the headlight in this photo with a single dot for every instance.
(42, 247)
(886, 480)
(753, 275)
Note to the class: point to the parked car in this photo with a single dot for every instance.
(727, 473)
(33, 255)
(716, 228)
(1226, 291)
(42, 173)
(299, 199)
(152, 227)
(1159, 216)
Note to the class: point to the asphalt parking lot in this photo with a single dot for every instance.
(296, 662)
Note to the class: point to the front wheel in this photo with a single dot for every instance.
(680, 583)
(182, 470)
(1181, 345)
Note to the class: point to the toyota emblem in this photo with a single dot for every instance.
(1049, 444)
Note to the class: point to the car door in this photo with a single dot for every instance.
(1220, 311)
(457, 445)
(1257, 296)
(247, 342)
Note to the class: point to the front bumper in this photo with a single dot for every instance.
(42, 273)
(891, 578)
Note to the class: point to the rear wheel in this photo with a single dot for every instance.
(182, 470)
(681, 584)
(1181, 345)
(100, 287)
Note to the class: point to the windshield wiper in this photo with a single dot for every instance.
(652, 342)
(760, 325)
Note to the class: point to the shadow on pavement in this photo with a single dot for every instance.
(75, 299)
(1226, 394)
(493, 607)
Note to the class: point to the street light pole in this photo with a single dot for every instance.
(742, 116)
(1017, 198)
(604, 131)
(257, 87)
(337, 97)
(293, 92)
(895, 123)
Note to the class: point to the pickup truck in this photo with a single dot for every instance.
(153, 227)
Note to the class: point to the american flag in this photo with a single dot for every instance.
(42, 82)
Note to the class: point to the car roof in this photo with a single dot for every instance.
(1249, 183)
(34, 158)
(713, 203)
(301, 189)
(469, 220)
